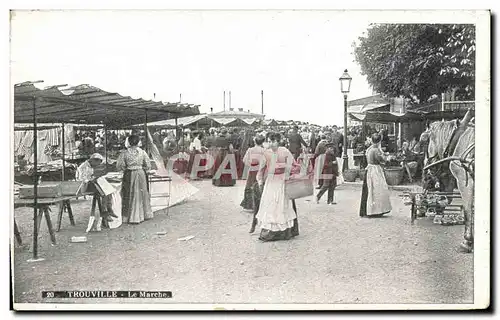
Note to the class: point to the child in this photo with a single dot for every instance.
(330, 167)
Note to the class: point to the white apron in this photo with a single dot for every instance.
(378, 200)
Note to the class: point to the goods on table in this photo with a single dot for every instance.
(114, 177)
(50, 171)
(437, 206)
(449, 219)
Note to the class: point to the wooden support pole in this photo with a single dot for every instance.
(146, 147)
(106, 147)
(35, 184)
(146, 134)
(176, 129)
(63, 177)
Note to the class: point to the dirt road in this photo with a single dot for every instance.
(338, 257)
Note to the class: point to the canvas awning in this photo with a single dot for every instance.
(201, 119)
(373, 106)
(270, 122)
(409, 116)
(249, 121)
(231, 122)
(85, 104)
(439, 115)
(386, 117)
(29, 126)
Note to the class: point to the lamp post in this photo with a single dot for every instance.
(345, 85)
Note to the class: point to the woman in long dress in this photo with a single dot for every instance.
(196, 148)
(211, 152)
(111, 203)
(277, 215)
(136, 202)
(253, 157)
(224, 151)
(169, 147)
(375, 197)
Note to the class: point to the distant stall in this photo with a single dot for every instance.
(201, 120)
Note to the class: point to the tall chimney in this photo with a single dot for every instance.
(224, 100)
(262, 100)
(180, 97)
(229, 99)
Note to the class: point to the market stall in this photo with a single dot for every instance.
(81, 104)
(406, 125)
(396, 168)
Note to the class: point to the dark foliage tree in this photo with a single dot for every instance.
(417, 61)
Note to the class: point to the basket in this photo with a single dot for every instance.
(299, 188)
(350, 175)
(394, 175)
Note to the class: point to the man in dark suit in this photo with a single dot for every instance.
(320, 149)
(338, 142)
(234, 138)
(312, 141)
(295, 143)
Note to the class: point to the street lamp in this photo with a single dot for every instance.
(345, 85)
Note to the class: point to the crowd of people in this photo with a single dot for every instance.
(218, 142)
(260, 156)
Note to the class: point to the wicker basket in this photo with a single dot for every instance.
(394, 175)
(299, 188)
(350, 175)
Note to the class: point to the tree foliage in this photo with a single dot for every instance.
(417, 61)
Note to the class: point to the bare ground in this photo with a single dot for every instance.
(338, 257)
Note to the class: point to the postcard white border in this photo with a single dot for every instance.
(482, 192)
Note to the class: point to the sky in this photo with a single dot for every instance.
(295, 57)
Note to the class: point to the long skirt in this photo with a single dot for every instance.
(225, 180)
(113, 203)
(240, 166)
(190, 163)
(212, 153)
(248, 202)
(375, 196)
(192, 159)
(277, 214)
(180, 166)
(136, 202)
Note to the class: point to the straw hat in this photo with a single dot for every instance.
(96, 156)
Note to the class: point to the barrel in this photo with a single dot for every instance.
(394, 175)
